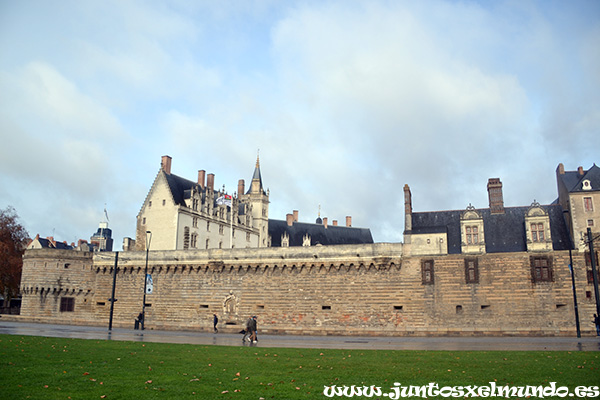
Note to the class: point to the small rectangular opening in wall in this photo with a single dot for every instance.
(485, 306)
(100, 303)
(230, 323)
(588, 294)
(260, 307)
(559, 306)
(459, 309)
(67, 265)
(325, 307)
(203, 305)
(148, 304)
(397, 308)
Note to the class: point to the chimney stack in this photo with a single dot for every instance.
(496, 198)
(201, 178)
(334, 222)
(210, 181)
(295, 215)
(289, 219)
(241, 187)
(580, 171)
(166, 164)
(407, 209)
(348, 221)
(325, 222)
(560, 170)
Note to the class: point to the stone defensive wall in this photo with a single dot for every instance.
(337, 290)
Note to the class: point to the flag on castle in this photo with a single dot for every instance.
(224, 200)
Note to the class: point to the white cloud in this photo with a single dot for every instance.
(346, 100)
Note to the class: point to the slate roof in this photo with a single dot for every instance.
(319, 235)
(574, 182)
(179, 186)
(48, 244)
(502, 232)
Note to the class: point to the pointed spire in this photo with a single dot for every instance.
(256, 185)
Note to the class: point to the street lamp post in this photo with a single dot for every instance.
(571, 269)
(148, 239)
(112, 297)
(594, 269)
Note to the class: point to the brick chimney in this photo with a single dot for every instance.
(289, 218)
(580, 171)
(295, 215)
(241, 187)
(496, 198)
(210, 181)
(325, 222)
(407, 209)
(334, 222)
(348, 221)
(560, 170)
(166, 164)
(201, 178)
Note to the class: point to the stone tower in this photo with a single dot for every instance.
(259, 206)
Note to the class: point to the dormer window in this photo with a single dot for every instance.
(472, 231)
(537, 228)
(586, 185)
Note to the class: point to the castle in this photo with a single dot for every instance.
(477, 271)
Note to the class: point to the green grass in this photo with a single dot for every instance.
(54, 368)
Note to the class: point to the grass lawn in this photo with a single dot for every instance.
(53, 368)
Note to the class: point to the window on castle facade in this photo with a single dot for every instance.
(67, 304)
(247, 236)
(537, 232)
(427, 272)
(590, 276)
(541, 269)
(195, 204)
(588, 264)
(194, 240)
(208, 227)
(471, 270)
(186, 238)
(207, 242)
(472, 234)
(220, 229)
(195, 222)
(588, 205)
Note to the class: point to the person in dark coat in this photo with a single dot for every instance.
(597, 323)
(215, 322)
(246, 330)
(253, 329)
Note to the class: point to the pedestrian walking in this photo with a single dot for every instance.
(597, 323)
(253, 328)
(215, 322)
(246, 330)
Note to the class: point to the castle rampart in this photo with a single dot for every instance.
(348, 290)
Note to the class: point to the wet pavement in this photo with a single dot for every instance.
(317, 342)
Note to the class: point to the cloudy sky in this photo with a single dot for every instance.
(346, 101)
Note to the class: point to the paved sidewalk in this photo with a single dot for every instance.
(318, 342)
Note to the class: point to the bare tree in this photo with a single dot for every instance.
(13, 237)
